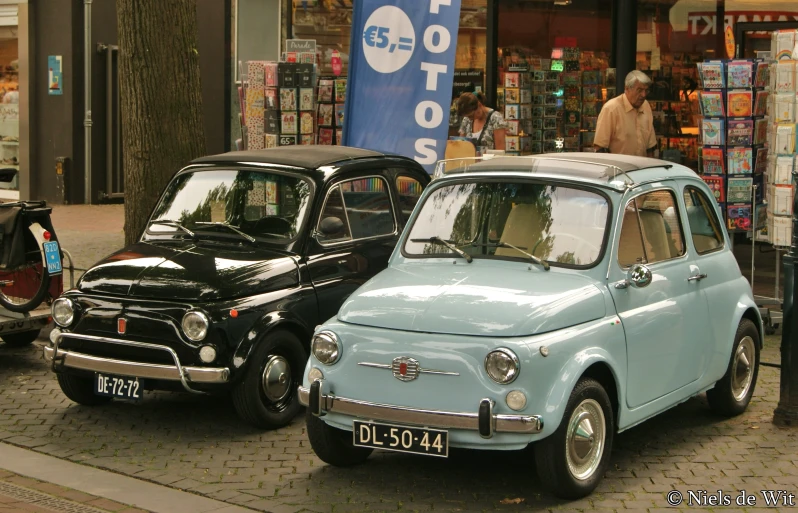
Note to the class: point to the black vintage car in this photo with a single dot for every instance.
(244, 254)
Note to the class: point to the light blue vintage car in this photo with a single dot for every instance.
(555, 300)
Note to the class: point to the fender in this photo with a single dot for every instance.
(261, 328)
(571, 372)
(745, 308)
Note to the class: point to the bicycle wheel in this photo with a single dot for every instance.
(22, 289)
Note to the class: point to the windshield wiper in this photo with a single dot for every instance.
(174, 224)
(250, 238)
(448, 245)
(520, 250)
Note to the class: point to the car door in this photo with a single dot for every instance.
(367, 231)
(666, 319)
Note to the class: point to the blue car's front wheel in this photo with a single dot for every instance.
(332, 445)
(572, 460)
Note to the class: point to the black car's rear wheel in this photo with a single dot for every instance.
(267, 396)
(80, 389)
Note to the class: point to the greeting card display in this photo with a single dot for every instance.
(326, 87)
(739, 74)
(712, 76)
(739, 189)
(711, 103)
(325, 115)
(740, 161)
(306, 99)
(740, 132)
(288, 98)
(717, 186)
(740, 103)
(714, 161)
(712, 132)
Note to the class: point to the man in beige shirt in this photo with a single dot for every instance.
(625, 124)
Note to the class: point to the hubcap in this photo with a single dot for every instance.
(276, 378)
(585, 439)
(742, 371)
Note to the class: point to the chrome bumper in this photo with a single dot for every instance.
(485, 421)
(177, 372)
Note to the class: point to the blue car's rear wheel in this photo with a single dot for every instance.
(572, 460)
(734, 390)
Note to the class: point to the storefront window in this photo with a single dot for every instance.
(553, 73)
(9, 100)
(469, 63)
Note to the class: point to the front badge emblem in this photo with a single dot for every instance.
(404, 368)
(121, 325)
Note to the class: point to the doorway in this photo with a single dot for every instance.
(753, 37)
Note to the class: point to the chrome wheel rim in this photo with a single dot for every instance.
(742, 371)
(276, 378)
(584, 443)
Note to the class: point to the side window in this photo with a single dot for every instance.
(333, 223)
(368, 207)
(651, 231)
(704, 224)
(409, 192)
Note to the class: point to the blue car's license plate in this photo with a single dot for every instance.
(52, 256)
(123, 387)
(416, 440)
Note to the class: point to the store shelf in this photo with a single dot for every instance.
(9, 143)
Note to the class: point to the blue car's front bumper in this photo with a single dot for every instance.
(483, 420)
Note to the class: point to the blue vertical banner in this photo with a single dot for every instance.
(401, 69)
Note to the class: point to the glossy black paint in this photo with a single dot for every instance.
(295, 285)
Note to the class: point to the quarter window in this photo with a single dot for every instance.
(363, 207)
(651, 231)
(704, 224)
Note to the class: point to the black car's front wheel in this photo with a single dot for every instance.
(267, 396)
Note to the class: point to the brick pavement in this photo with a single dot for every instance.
(198, 444)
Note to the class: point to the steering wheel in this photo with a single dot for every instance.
(273, 225)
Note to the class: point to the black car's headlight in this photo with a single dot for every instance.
(63, 311)
(502, 366)
(195, 325)
(326, 347)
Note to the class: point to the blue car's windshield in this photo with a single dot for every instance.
(558, 224)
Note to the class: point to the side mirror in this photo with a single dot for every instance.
(640, 276)
(331, 225)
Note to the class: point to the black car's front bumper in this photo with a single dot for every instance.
(186, 375)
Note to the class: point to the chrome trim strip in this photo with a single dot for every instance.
(144, 370)
(504, 423)
(420, 370)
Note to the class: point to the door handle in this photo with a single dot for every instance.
(697, 277)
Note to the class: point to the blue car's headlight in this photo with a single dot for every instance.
(326, 348)
(502, 366)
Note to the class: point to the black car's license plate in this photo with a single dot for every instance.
(429, 442)
(123, 387)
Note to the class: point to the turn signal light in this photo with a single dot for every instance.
(46, 235)
(233, 313)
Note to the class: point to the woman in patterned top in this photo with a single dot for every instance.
(485, 126)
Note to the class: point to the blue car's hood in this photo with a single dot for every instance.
(472, 299)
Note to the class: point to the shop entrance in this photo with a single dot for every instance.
(753, 37)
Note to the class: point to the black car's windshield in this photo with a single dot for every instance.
(270, 207)
(552, 223)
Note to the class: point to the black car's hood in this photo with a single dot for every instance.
(190, 272)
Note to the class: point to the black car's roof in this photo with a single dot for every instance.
(308, 157)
